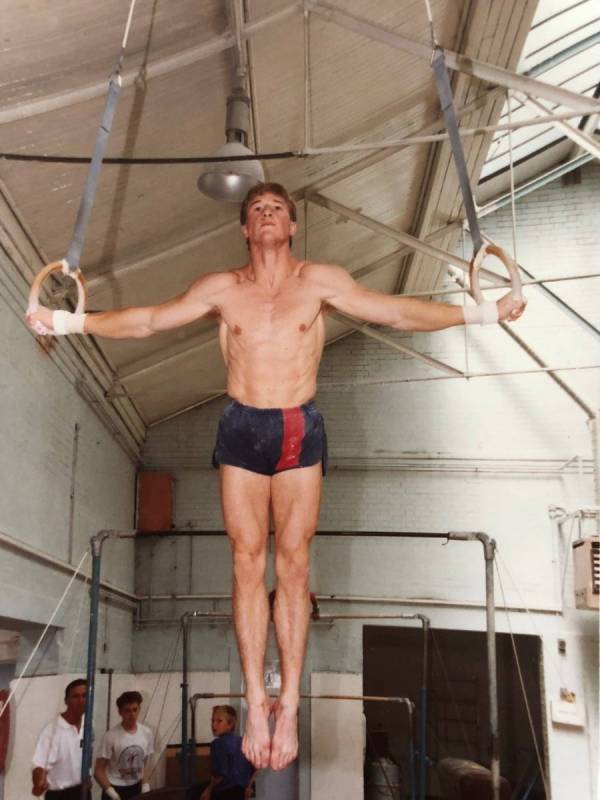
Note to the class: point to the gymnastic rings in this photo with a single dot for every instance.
(56, 266)
(513, 272)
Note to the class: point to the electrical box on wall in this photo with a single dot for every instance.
(154, 501)
(586, 563)
(568, 710)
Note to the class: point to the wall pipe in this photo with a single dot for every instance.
(38, 555)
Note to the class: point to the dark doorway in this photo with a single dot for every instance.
(458, 708)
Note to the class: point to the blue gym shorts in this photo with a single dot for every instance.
(271, 440)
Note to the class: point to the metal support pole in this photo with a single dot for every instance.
(86, 756)
(423, 711)
(108, 672)
(594, 424)
(185, 760)
(489, 550)
(411, 755)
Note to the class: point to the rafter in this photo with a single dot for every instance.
(153, 70)
(470, 66)
(400, 236)
(366, 330)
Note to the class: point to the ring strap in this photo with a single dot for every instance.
(446, 101)
(73, 256)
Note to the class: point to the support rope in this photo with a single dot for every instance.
(39, 641)
(523, 690)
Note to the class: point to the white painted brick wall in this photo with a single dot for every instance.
(38, 411)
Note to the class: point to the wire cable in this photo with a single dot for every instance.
(48, 624)
(523, 690)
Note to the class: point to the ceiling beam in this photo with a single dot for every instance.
(419, 245)
(402, 348)
(155, 359)
(470, 66)
(148, 363)
(578, 136)
(154, 69)
(98, 283)
(508, 329)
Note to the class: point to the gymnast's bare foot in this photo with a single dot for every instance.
(284, 747)
(256, 743)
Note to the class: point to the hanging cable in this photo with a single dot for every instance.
(468, 744)
(166, 666)
(512, 178)
(553, 661)
(522, 683)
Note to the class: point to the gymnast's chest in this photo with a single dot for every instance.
(256, 316)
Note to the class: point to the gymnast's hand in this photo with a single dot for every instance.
(40, 321)
(510, 309)
(55, 323)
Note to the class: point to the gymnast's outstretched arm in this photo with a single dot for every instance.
(340, 291)
(202, 298)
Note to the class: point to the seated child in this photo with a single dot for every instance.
(231, 772)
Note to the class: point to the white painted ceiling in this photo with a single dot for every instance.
(316, 84)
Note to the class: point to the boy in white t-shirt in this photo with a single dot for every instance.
(122, 766)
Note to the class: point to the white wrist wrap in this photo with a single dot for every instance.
(145, 788)
(63, 322)
(111, 791)
(485, 314)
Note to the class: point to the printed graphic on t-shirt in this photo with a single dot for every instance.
(131, 762)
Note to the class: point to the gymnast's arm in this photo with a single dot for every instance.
(200, 299)
(340, 291)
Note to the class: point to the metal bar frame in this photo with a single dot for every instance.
(554, 298)
(339, 697)
(96, 544)
(456, 61)
(489, 548)
(579, 137)
(421, 756)
(381, 337)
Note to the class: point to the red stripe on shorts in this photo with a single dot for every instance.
(293, 433)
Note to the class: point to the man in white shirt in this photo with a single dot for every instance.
(57, 756)
(122, 767)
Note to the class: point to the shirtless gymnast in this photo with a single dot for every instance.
(271, 447)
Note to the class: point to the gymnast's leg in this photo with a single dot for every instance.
(295, 497)
(245, 498)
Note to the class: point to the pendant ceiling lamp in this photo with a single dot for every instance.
(230, 181)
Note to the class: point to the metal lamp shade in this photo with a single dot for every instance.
(230, 181)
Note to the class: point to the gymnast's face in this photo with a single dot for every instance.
(220, 723)
(75, 702)
(268, 220)
(129, 714)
